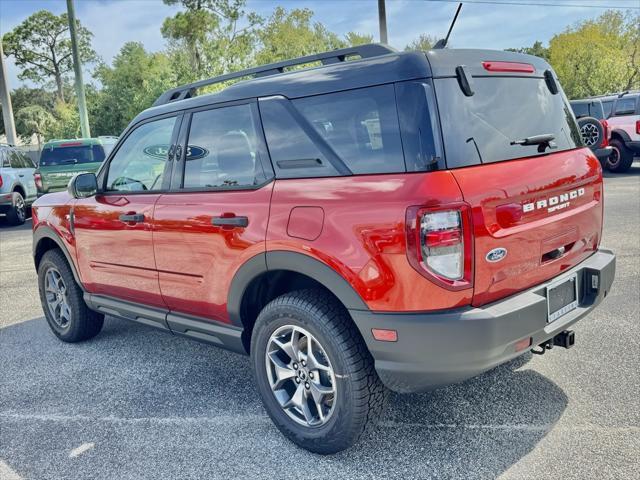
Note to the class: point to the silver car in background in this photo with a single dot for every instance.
(17, 187)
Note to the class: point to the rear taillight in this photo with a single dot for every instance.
(638, 127)
(605, 133)
(1, 181)
(37, 178)
(439, 244)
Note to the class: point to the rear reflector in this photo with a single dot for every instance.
(383, 335)
(515, 67)
(522, 344)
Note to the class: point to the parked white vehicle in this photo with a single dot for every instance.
(624, 122)
(17, 187)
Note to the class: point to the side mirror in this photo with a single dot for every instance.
(83, 185)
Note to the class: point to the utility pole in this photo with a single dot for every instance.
(5, 99)
(382, 20)
(77, 67)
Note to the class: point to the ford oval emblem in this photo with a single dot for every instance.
(496, 254)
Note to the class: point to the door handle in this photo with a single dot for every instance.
(230, 221)
(132, 218)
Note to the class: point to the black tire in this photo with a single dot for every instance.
(17, 214)
(620, 159)
(83, 323)
(592, 132)
(359, 397)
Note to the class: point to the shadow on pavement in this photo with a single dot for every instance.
(154, 406)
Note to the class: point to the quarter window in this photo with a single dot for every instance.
(223, 149)
(360, 125)
(139, 164)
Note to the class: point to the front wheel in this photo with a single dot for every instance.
(314, 372)
(62, 301)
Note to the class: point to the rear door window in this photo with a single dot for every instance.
(224, 149)
(481, 128)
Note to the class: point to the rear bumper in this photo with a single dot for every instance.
(6, 200)
(603, 153)
(437, 349)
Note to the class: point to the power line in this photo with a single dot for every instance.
(532, 4)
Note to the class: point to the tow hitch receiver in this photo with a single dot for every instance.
(565, 339)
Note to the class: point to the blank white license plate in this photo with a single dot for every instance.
(562, 297)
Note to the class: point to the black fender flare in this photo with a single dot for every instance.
(622, 134)
(45, 232)
(294, 262)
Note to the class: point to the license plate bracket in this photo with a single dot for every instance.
(562, 297)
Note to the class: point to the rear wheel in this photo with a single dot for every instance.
(314, 372)
(64, 308)
(621, 157)
(17, 214)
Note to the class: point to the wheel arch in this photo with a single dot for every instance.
(19, 189)
(45, 239)
(269, 275)
(620, 134)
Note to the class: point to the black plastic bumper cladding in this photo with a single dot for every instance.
(437, 349)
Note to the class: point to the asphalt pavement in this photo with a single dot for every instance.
(138, 403)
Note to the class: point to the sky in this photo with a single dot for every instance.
(494, 24)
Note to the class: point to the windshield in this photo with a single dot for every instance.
(71, 155)
(491, 125)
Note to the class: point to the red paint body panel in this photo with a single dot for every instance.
(497, 192)
(196, 260)
(363, 236)
(116, 258)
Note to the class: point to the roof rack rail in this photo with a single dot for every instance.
(336, 56)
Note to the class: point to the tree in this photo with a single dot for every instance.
(42, 48)
(423, 43)
(131, 85)
(354, 39)
(293, 34)
(24, 96)
(210, 37)
(34, 120)
(537, 49)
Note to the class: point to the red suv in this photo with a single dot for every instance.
(380, 220)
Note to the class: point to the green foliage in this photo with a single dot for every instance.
(131, 85)
(537, 50)
(293, 34)
(41, 46)
(34, 120)
(210, 37)
(423, 43)
(353, 39)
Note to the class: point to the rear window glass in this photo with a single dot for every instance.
(361, 126)
(71, 155)
(588, 109)
(607, 105)
(480, 129)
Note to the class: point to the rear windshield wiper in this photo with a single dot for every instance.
(544, 141)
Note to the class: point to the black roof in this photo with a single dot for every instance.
(384, 65)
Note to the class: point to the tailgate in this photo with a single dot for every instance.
(545, 211)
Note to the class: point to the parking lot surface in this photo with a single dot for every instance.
(137, 403)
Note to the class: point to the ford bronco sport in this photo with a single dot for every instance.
(395, 220)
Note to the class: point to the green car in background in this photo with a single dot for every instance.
(62, 159)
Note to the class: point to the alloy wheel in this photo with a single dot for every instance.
(614, 158)
(590, 134)
(20, 209)
(56, 296)
(300, 375)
